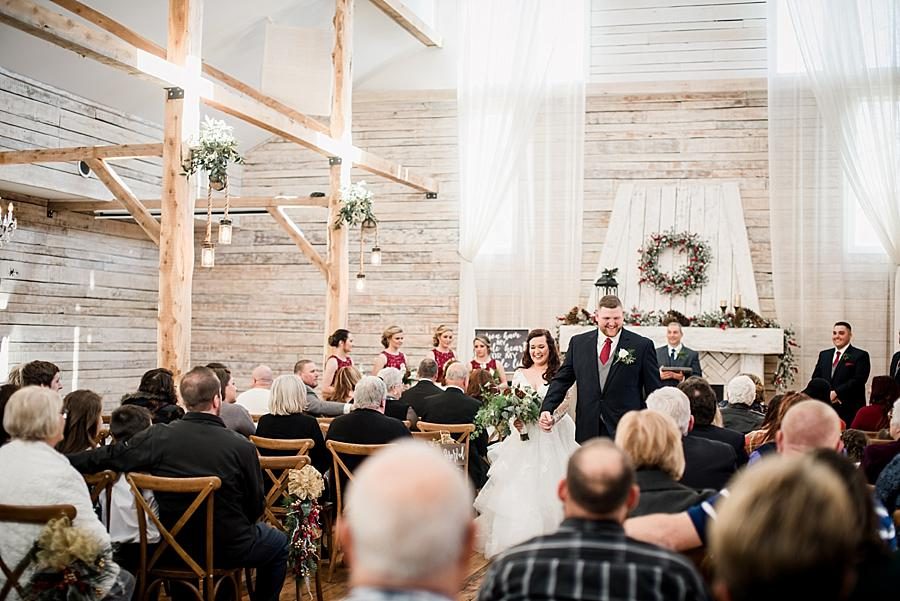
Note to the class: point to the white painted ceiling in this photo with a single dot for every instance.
(385, 56)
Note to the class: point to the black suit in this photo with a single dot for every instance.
(732, 438)
(453, 406)
(416, 395)
(707, 463)
(894, 371)
(296, 425)
(686, 358)
(661, 494)
(598, 411)
(365, 426)
(848, 380)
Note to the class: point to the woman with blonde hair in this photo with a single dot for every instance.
(287, 401)
(391, 340)
(344, 382)
(653, 442)
(481, 348)
(442, 353)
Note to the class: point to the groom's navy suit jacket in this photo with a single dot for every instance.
(848, 380)
(627, 385)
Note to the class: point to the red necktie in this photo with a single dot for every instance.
(837, 357)
(605, 351)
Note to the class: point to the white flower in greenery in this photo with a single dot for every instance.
(625, 356)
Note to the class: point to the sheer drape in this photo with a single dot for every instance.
(521, 123)
(831, 137)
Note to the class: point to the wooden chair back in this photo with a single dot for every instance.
(427, 436)
(26, 514)
(277, 472)
(877, 441)
(461, 433)
(152, 573)
(300, 446)
(98, 484)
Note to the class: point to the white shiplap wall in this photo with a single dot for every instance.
(667, 40)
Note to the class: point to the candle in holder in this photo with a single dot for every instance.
(737, 300)
(723, 304)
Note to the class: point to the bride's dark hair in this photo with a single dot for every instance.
(552, 357)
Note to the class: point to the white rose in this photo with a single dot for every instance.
(622, 353)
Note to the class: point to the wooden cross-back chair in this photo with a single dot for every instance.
(300, 446)
(153, 572)
(340, 471)
(427, 436)
(26, 514)
(324, 424)
(461, 433)
(99, 483)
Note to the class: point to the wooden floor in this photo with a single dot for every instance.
(333, 591)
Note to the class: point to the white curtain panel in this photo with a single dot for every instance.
(833, 141)
(521, 137)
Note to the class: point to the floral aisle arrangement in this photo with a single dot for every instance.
(71, 565)
(302, 522)
(686, 280)
(498, 408)
(213, 152)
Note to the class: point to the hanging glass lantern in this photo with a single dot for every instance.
(360, 282)
(208, 255)
(225, 231)
(375, 258)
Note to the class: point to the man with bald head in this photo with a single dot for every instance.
(256, 399)
(410, 483)
(590, 557)
(807, 426)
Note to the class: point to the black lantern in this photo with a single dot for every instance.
(606, 283)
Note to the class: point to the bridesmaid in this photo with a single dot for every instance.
(481, 347)
(342, 343)
(391, 340)
(442, 351)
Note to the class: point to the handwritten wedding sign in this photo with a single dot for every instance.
(507, 346)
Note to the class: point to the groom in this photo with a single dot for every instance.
(615, 372)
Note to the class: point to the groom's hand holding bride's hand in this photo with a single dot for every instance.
(546, 421)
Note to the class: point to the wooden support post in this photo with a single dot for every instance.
(176, 248)
(337, 303)
(407, 19)
(125, 196)
(296, 234)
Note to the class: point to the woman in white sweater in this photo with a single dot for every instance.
(32, 472)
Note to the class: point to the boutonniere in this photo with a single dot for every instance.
(625, 356)
(681, 355)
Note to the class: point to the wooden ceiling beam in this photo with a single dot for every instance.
(235, 202)
(296, 235)
(126, 197)
(80, 153)
(407, 19)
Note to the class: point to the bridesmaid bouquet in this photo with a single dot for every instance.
(500, 407)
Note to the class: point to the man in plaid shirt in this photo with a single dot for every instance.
(590, 557)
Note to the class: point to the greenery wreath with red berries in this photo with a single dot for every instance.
(686, 280)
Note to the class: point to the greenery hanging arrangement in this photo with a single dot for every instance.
(215, 150)
(356, 207)
(687, 279)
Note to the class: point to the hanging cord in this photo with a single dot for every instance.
(361, 241)
(209, 215)
(227, 200)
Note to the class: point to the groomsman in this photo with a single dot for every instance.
(894, 372)
(675, 354)
(846, 368)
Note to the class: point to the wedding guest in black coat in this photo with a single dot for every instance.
(894, 370)
(675, 354)
(738, 416)
(416, 396)
(703, 410)
(846, 368)
(652, 441)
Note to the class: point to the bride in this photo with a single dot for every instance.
(519, 500)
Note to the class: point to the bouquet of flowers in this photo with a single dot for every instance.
(302, 522)
(71, 565)
(498, 408)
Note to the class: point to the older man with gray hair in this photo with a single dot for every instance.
(256, 398)
(741, 392)
(366, 424)
(408, 484)
(708, 464)
(393, 406)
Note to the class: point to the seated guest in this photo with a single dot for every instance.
(769, 438)
(452, 406)
(366, 424)
(32, 472)
(200, 445)
(753, 440)
(877, 456)
(652, 442)
(805, 557)
(590, 557)
(855, 442)
(707, 463)
(675, 354)
(345, 380)
(15, 375)
(393, 406)
(156, 393)
(425, 388)
(703, 410)
(256, 399)
(759, 401)
(876, 415)
(887, 487)
(308, 371)
(83, 410)
(234, 416)
(478, 379)
(284, 418)
(409, 484)
(738, 415)
(6, 391)
(41, 373)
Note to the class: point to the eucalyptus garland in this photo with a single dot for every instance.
(686, 280)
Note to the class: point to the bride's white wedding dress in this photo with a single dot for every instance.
(520, 499)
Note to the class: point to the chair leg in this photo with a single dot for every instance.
(319, 596)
